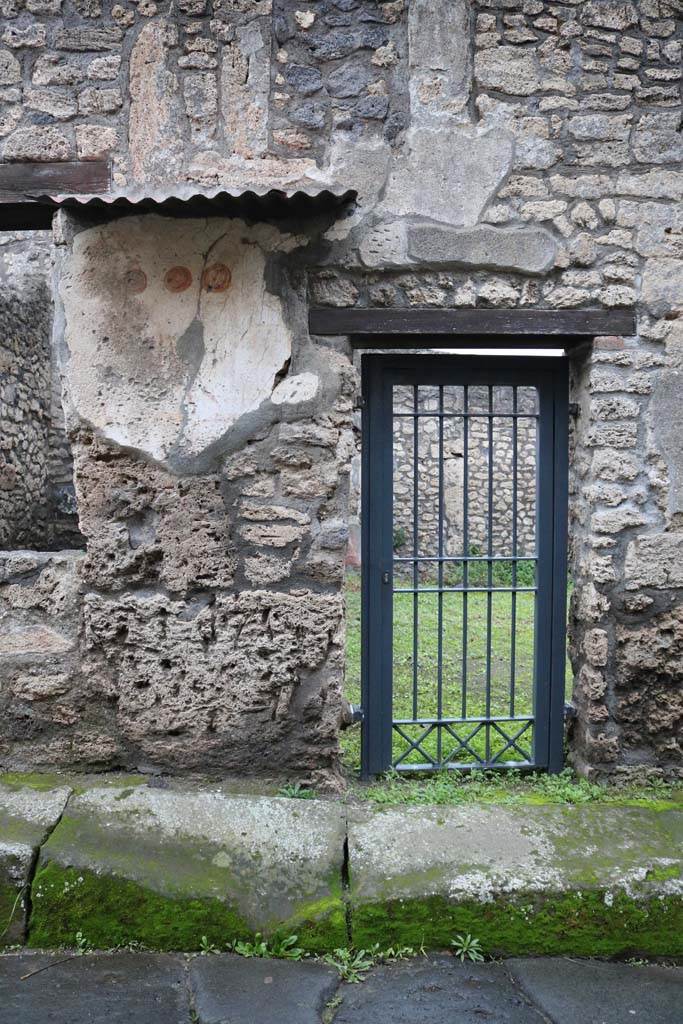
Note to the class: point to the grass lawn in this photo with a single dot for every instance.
(424, 701)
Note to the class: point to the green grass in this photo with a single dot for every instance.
(514, 788)
(452, 659)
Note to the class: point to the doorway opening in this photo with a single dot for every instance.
(456, 634)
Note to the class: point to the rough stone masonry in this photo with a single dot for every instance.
(506, 153)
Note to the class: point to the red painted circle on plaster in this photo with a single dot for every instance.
(178, 279)
(136, 280)
(216, 278)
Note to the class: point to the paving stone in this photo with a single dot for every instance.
(119, 988)
(232, 990)
(601, 993)
(437, 991)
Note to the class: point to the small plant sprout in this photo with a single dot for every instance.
(82, 944)
(465, 947)
(206, 948)
(286, 949)
(351, 964)
(257, 948)
(279, 947)
(295, 791)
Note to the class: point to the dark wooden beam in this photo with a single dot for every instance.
(479, 324)
(31, 180)
(26, 188)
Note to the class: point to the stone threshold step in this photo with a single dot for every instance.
(133, 863)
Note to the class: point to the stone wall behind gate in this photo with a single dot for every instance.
(506, 153)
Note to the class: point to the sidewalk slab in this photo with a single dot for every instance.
(118, 988)
(232, 990)
(604, 993)
(26, 817)
(165, 867)
(439, 990)
(587, 880)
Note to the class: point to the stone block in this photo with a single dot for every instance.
(111, 986)
(449, 176)
(10, 68)
(145, 525)
(88, 39)
(27, 816)
(94, 100)
(222, 682)
(667, 428)
(40, 143)
(655, 561)
(662, 284)
(230, 988)
(439, 59)
(167, 866)
(509, 70)
(427, 990)
(530, 250)
(423, 874)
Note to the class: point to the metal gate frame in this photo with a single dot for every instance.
(550, 376)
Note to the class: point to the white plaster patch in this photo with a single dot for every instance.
(170, 332)
(293, 390)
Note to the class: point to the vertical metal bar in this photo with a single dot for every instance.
(543, 598)
(439, 625)
(416, 552)
(489, 576)
(465, 540)
(376, 560)
(513, 596)
(559, 621)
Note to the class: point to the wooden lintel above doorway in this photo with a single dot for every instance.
(371, 328)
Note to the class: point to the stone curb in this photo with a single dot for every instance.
(173, 867)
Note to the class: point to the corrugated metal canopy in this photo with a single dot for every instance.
(27, 204)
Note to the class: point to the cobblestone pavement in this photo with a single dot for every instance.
(224, 989)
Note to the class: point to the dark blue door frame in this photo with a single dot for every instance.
(549, 376)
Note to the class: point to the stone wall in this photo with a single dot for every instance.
(37, 506)
(506, 153)
(25, 326)
(425, 473)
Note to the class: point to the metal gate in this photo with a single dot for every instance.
(464, 494)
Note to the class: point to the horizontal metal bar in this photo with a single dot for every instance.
(467, 558)
(541, 323)
(467, 590)
(462, 721)
(465, 415)
(459, 766)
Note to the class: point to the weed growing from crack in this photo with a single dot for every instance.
(466, 947)
(278, 948)
(352, 965)
(295, 791)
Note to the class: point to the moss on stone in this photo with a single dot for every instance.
(11, 912)
(41, 781)
(593, 923)
(319, 926)
(110, 911)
